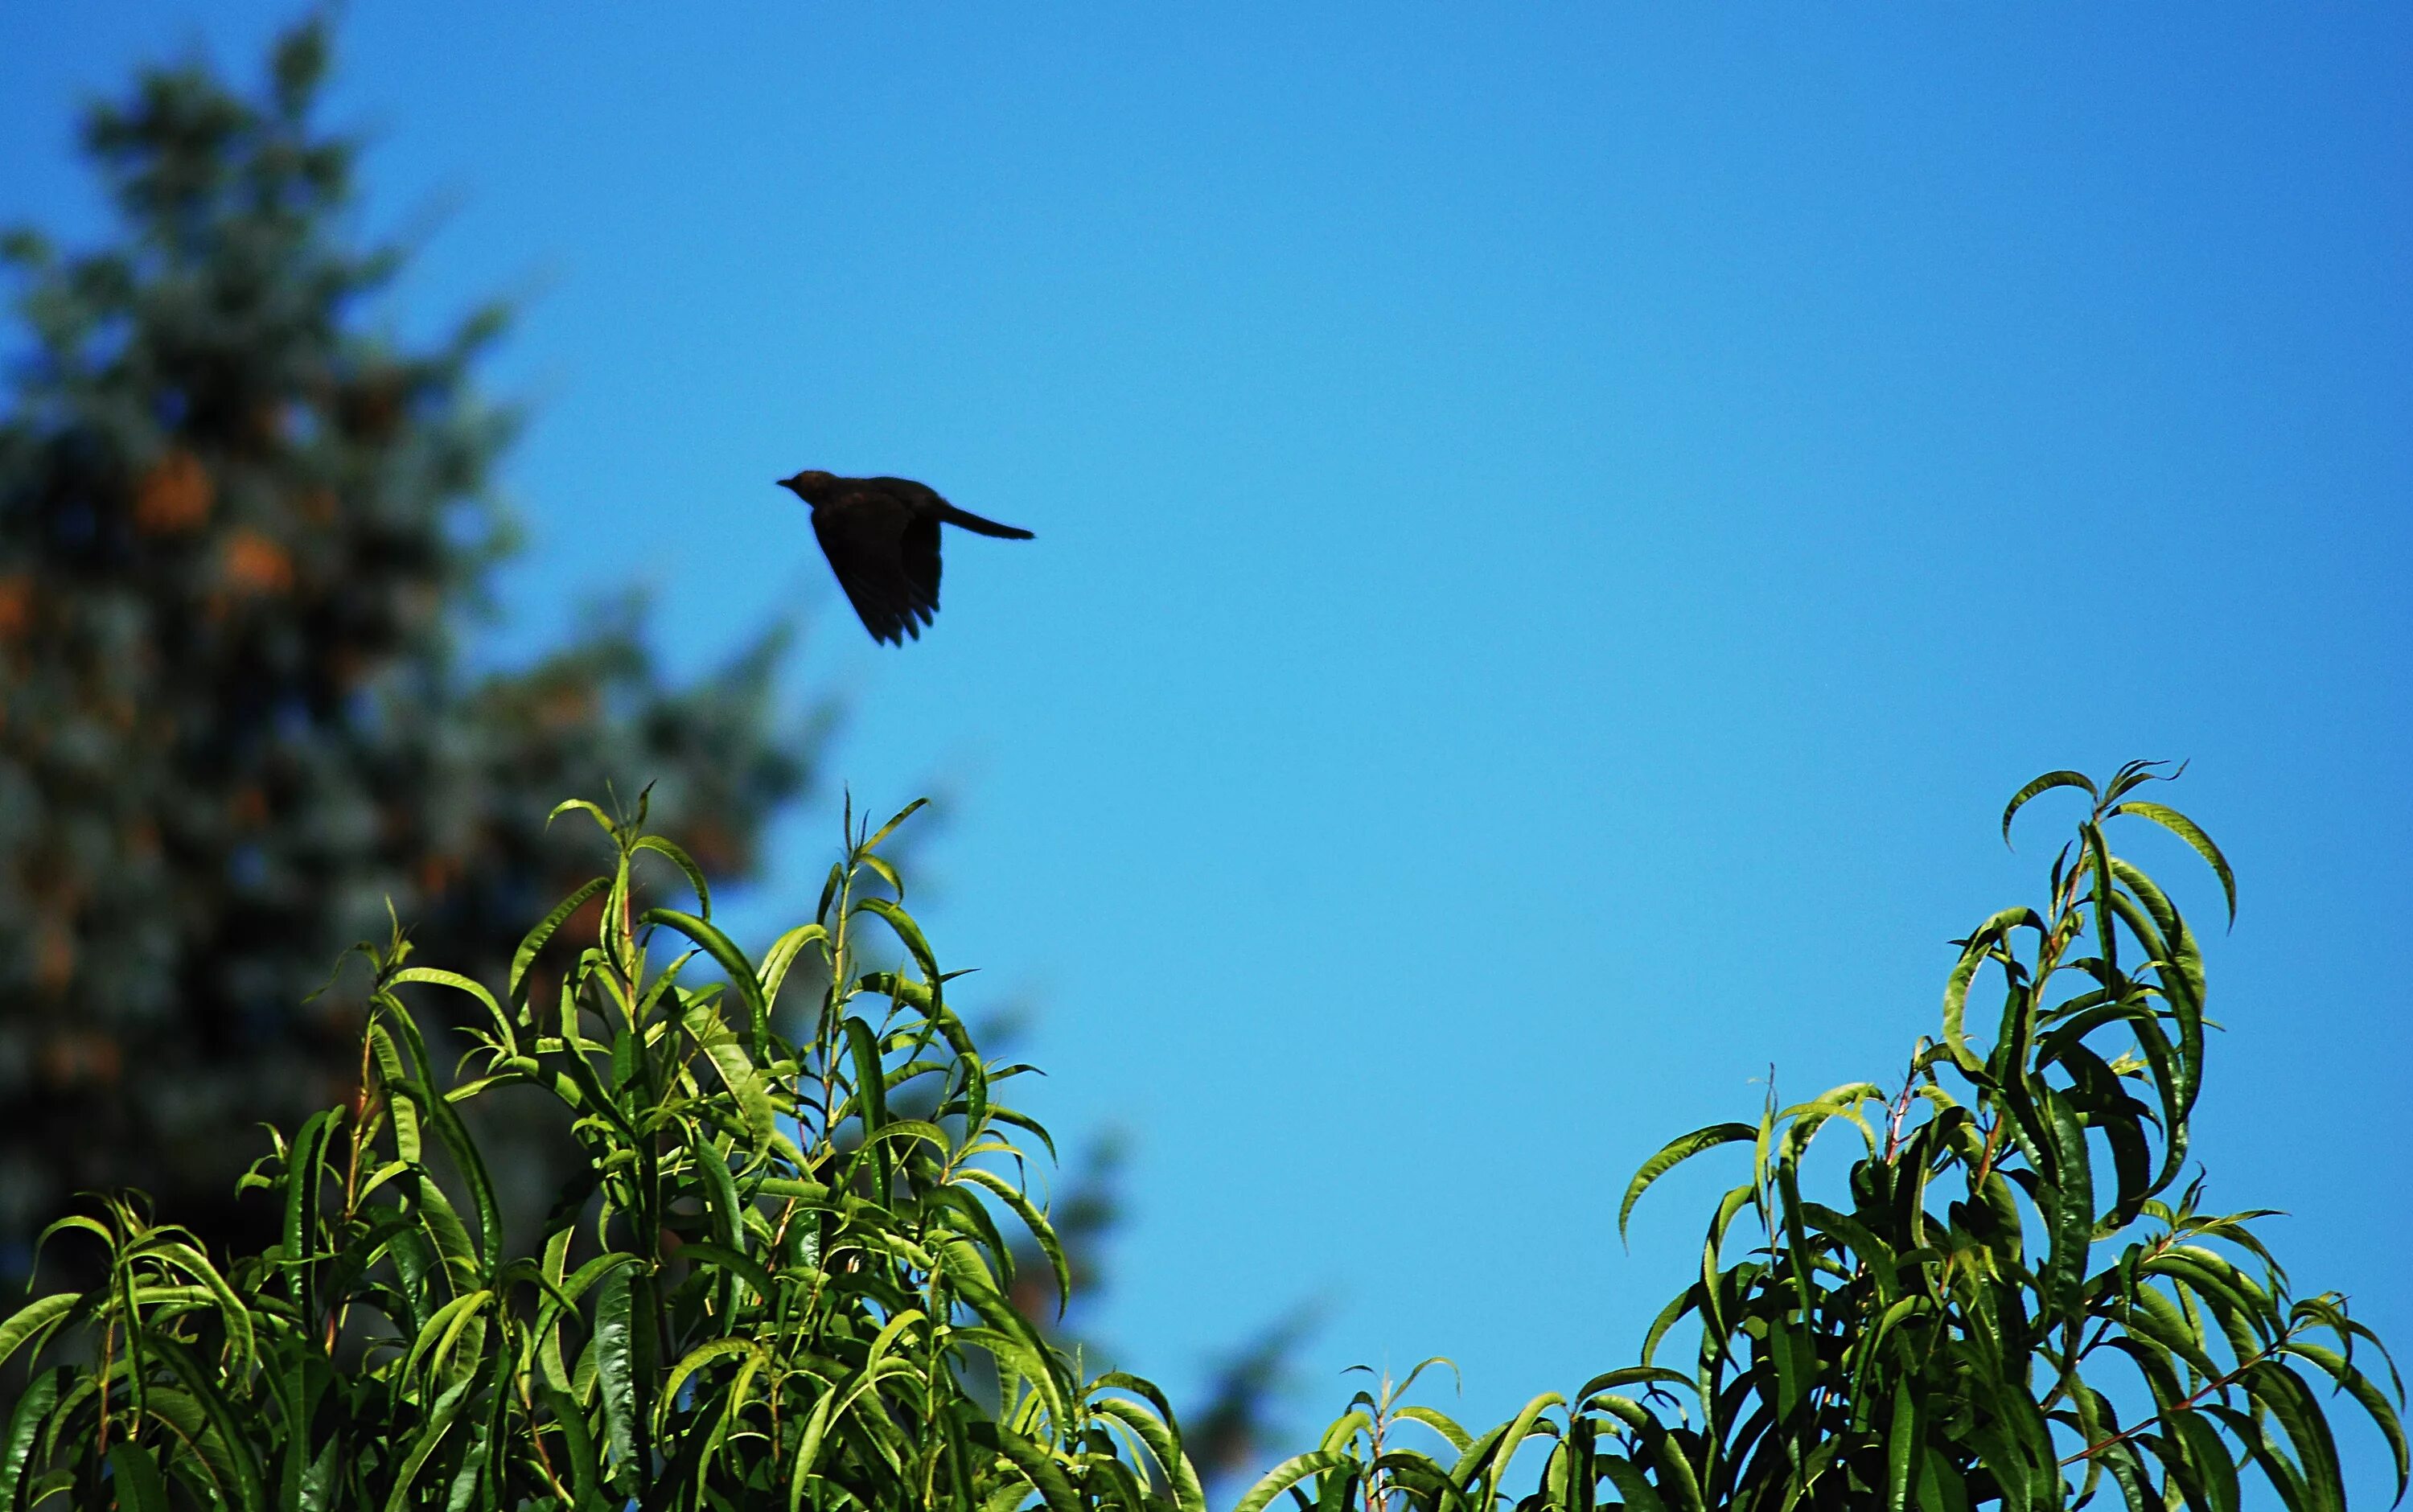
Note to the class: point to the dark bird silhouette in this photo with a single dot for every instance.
(882, 538)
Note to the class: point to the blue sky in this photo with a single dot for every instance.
(1558, 530)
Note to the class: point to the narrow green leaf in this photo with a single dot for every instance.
(1447, 1427)
(1674, 1153)
(41, 1394)
(1042, 1232)
(472, 1165)
(585, 1473)
(2185, 829)
(135, 1479)
(2040, 786)
(911, 934)
(35, 1319)
(889, 828)
(1288, 1473)
(1527, 1422)
(694, 1360)
(687, 866)
(2203, 1458)
(305, 1173)
(1902, 1446)
(2367, 1395)
(436, 1340)
(533, 942)
(386, 1055)
(782, 954)
(737, 1070)
(870, 1092)
(616, 1362)
(435, 977)
(734, 1262)
(2069, 1205)
(583, 806)
(1154, 1431)
(429, 1434)
(723, 1208)
(242, 1463)
(1044, 1474)
(732, 961)
(1627, 1477)
(1941, 1489)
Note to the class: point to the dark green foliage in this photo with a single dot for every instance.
(239, 533)
(771, 1287)
(2013, 1300)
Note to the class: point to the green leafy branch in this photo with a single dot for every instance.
(2012, 1260)
(765, 1287)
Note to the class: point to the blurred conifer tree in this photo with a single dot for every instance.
(240, 533)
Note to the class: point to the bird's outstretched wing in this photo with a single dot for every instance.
(885, 554)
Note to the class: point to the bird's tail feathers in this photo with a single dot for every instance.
(971, 522)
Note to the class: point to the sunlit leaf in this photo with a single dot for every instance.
(2039, 786)
(2185, 829)
(1288, 1473)
(1674, 1153)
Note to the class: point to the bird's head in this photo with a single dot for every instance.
(811, 485)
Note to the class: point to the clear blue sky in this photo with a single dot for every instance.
(1558, 527)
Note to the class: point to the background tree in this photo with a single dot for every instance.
(240, 533)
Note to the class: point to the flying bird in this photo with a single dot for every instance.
(882, 538)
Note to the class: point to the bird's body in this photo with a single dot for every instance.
(882, 538)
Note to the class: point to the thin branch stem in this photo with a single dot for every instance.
(2187, 1404)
